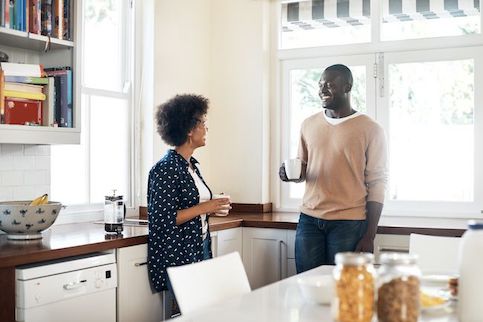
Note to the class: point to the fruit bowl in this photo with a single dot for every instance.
(22, 221)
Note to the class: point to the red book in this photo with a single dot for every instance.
(34, 16)
(6, 8)
(21, 111)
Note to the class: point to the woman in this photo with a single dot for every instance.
(179, 200)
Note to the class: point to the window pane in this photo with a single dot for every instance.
(103, 44)
(409, 19)
(305, 101)
(110, 159)
(69, 168)
(324, 23)
(431, 132)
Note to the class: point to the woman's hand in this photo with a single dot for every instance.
(206, 207)
(216, 205)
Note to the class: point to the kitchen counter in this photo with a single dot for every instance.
(67, 240)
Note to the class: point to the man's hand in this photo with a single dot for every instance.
(283, 175)
(365, 245)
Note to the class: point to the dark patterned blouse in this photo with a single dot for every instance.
(172, 188)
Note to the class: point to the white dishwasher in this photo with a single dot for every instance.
(75, 289)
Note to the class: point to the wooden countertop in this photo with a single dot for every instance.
(82, 238)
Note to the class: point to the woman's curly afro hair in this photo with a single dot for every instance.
(178, 116)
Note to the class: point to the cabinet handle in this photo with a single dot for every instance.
(280, 244)
(140, 264)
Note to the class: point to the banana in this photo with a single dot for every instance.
(42, 200)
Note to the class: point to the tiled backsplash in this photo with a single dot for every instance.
(24, 171)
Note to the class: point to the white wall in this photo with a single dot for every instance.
(181, 65)
(24, 171)
(239, 92)
(220, 49)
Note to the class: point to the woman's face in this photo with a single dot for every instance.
(198, 134)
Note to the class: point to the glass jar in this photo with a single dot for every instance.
(398, 288)
(355, 287)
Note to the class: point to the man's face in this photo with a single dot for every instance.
(332, 90)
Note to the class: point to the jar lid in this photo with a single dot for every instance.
(398, 259)
(350, 258)
(475, 224)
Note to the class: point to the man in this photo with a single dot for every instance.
(344, 155)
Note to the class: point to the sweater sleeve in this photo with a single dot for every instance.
(376, 166)
(302, 151)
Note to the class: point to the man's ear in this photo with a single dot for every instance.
(347, 88)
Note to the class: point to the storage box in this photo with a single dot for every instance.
(22, 111)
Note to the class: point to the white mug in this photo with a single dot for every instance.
(293, 168)
(221, 213)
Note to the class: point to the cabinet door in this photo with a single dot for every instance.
(264, 255)
(390, 243)
(229, 240)
(291, 270)
(135, 300)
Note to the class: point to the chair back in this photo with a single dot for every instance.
(436, 255)
(207, 282)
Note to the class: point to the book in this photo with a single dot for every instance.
(67, 13)
(6, 13)
(22, 111)
(58, 16)
(2, 13)
(23, 87)
(63, 95)
(48, 106)
(34, 17)
(14, 69)
(26, 95)
(27, 80)
(2, 96)
(46, 17)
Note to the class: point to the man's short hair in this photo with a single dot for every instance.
(343, 70)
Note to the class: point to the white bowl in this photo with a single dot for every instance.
(21, 221)
(317, 288)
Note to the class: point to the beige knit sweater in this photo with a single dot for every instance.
(346, 166)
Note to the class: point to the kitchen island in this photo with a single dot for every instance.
(282, 301)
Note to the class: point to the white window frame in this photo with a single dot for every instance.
(287, 59)
(126, 93)
(440, 208)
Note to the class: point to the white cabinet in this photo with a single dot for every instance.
(226, 241)
(390, 243)
(135, 300)
(25, 47)
(291, 269)
(264, 255)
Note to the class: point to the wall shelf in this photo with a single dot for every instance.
(21, 134)
(25, 47)
(26, 40)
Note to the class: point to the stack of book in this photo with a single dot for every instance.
(30, 95)
(46, 17)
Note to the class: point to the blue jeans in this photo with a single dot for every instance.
(206, 248)
(318, 240)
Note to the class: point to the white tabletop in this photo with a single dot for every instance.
(281, 301)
